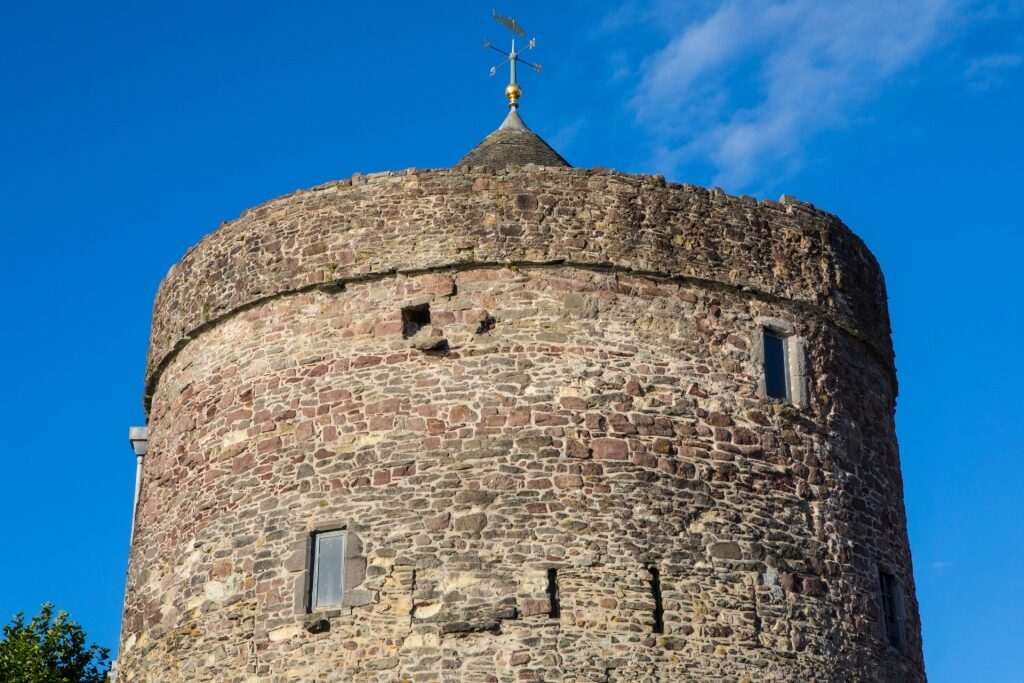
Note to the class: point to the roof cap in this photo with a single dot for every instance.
(513, 143)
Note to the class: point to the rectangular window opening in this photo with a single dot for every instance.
(328, 565)
(776, 366)
(659, 608)
(414, 319)
(892, 618)
(555, 612)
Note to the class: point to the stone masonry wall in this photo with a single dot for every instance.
(422, 220)
(585, 399)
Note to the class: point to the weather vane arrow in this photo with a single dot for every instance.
(512, 90)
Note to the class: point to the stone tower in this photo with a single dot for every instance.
(517, 421)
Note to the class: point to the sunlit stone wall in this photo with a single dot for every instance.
(587, 397)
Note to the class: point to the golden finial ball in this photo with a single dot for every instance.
(512, 92)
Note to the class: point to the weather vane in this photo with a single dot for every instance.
(512, 90)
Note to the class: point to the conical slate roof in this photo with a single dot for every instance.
(513, 143)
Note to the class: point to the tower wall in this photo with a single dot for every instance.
(586, 398)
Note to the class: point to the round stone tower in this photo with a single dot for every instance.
(516, 421)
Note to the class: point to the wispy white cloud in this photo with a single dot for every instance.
(805, 66)
(989, 71)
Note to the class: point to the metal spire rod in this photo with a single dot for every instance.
(512, 90)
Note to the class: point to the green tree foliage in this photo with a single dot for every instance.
(50, 649)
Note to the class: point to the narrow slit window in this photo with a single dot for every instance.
(659, 608)
(776, 366)
(328, 584)
(892, 618)
(555, 611)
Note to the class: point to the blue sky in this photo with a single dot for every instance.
(129, 130)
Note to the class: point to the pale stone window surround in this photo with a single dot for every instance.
(795, 358)
(301, 564)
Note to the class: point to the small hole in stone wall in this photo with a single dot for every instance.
(414, 319)
(556, 606)
(659, 608)
(486, 325)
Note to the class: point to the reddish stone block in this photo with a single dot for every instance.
(757, 417)
(568, 481)
(222, 568)
(241, 463)
(549, 420)
(304, 430)
(461, 415)
(573, 403)
(737, 341)
(366, 361)
(530, 607)
(404, 471)
(719, 420)
(744, 436)
(620, 423)
(520, 417)
(609, 449)
(381, 423)
(437, 522)
(390, 328)
(499, 482)
(575, 448)
(268, 445)
(645, 460)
